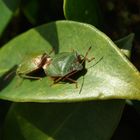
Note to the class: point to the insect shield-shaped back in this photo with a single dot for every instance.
(64, 65)
(32, 66)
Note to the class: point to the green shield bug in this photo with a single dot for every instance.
(66, 64)
(31, 64)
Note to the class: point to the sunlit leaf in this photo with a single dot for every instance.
(109, 76)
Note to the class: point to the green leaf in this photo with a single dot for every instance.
(109, 76)
(31, 10)
(81, 121)
(3, 112)
(125, 44)
(7, 8)
(83, 11)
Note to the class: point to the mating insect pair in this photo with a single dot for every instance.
(60, 67)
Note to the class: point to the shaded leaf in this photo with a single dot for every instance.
(83, 11)
(7, 8)
(31, 10)
(89, 120)
(3, 111)
(125, 44)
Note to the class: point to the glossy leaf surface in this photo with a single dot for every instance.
(109, 76)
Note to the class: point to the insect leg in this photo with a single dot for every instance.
(96, 63)
(86, 58)
(57, 80)
(31, 77)
(64, 77)
(89, 60)
(70, 74)
(51, 51)
(87, 52)
(76, 84)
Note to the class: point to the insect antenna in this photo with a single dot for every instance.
(85, 57)
(95, 63)
(82, 85)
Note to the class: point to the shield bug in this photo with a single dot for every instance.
(32, 64)
(66, 64)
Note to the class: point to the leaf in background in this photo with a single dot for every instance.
(7, 8)
(31, 10)
(4, 106)
(109, 76)
(125, 44)
(136, 105)
(81, 121)
(83, 11)
(40, 11)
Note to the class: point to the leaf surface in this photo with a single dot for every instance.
(109, 76)
(7, 8)
(82, 121)
(125, 44)
(84, 11)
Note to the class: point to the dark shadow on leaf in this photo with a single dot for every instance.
(7, 77)
(51, 37)
(38, 73)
